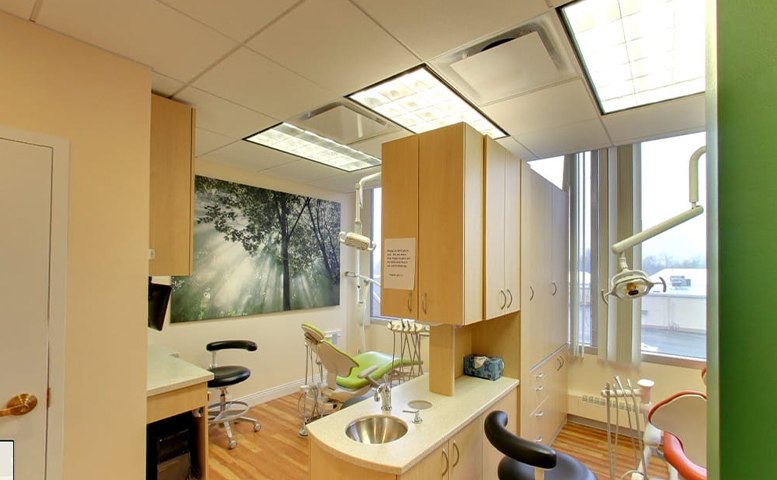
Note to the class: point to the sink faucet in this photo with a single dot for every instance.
(383, 393)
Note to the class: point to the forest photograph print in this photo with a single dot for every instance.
(258, 251)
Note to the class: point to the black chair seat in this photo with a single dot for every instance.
(566, 468)
(228, 375)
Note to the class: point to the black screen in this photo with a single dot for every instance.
(158, 296)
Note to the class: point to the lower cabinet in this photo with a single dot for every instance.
(467, 454)
(544, 408)
(460, 458)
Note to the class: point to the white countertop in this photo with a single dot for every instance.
(167, 372)
(446, 416)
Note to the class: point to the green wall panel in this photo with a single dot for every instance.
(747, 200)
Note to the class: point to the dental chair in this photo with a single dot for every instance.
(527, 460)
(224, 412)
(683, 420)
(347, 377)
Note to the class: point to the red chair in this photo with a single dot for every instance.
(683, 419)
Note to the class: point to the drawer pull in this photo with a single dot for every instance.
(458, 454)
(540, 375)
(511, 298)
(539, 414)
(504, 299)
(539, 388)
(445, 470)
(538, 439)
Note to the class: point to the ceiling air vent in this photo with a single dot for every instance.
(523, 59)
(343, 122)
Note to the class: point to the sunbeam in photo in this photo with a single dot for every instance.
(258, 251)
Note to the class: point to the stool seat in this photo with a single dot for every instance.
(566, 468)
(224, 376)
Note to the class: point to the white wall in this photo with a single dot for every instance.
(278, 367)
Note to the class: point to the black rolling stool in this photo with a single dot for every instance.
(523, 455)
(225, 411)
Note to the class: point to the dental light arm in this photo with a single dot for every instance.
(630, 284)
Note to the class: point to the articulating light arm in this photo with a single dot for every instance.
(630, 284)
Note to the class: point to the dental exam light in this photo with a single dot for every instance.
(629, 284)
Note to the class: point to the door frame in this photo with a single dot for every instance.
(60, 149)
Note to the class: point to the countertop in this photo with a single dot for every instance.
(166, 372)
(446, 416)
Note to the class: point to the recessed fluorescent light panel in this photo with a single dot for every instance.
(638, 52)
(296, 141)
(418, 101)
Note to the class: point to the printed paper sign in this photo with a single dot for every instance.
(399, 264)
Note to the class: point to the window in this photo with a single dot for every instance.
(550, 168)
(673, 323)
(375, 207)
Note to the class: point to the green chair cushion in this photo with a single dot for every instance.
(366, 360)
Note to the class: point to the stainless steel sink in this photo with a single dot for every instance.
(376, 429)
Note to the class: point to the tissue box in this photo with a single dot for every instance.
(481, 366)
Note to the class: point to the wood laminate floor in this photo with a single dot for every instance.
(277, 453)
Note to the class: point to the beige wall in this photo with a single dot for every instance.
(279, 363)
(57, 86)
(588, 375)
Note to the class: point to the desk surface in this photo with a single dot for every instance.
(166, 372)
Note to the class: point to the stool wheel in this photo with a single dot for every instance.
(257, 427)
(232, 444)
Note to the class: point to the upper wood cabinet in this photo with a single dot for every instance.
(446, 168)
(502, 278)
(172, 187)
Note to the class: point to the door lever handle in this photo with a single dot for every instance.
(19, 405)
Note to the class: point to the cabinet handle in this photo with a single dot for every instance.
(458, 454)
(539, 414)
(423, 302)
(555, 288)
(538, 439)
(410, 301)
(511, 298)
(531, 297)
(539, 388)
(445, 456)
(504, 300)
(540, 375)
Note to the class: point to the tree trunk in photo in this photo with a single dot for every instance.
(315, 221)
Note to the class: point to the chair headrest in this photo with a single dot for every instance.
(313, 334)
(515, 447)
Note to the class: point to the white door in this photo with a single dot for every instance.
(25, 219)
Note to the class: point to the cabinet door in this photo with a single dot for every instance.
(494, 291)
(433, 466)
(171, 194)
(559, 268)
(450, 230)
(512, 233)
(492, 456)
(399, 217)
(466, 452)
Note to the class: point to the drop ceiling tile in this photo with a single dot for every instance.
(143, 30)
(543, 109)
(682, 115)
(20, 8)
(302, 171)
(577, 137)
(206, 141)
(344, 53)
(163, 85)
(251, 80)
(516, 148)
(432, 27)
(346, 182)
(237, 19)
(224, 117)
(248, 156)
